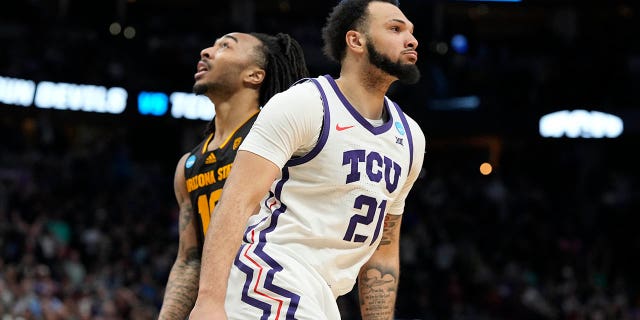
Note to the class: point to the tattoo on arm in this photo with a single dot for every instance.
(186, 216)
(391, 223)
(378, 281)
(182, 287)
(377, 289)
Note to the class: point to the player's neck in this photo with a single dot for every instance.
(232, 113)
(364, 95)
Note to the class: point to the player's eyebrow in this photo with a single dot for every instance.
(226, 36)
(232, 37)
(409, 24)
(403, 22)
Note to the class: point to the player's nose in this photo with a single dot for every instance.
(412, 42)
(206, 53)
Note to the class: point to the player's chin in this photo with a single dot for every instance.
(411, 61)
(200, 87)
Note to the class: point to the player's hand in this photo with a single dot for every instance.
(209, 311)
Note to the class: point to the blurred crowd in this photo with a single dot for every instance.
(86, 232)
(89, 228)
(88, 219)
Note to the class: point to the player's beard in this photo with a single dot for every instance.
(405, 72)
(200, 88)
(222, 84)
(217, 87)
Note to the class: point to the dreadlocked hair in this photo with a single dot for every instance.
(283, 61)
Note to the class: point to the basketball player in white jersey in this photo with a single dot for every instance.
(332, 162)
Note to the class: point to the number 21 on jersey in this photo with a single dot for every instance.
(372, 207)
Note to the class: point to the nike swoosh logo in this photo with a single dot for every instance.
(339, 128)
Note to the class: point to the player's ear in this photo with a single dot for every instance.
(255, 76)
(355, 41)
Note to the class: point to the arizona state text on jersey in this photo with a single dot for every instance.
(206, 172)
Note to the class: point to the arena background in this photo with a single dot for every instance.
(88, 220)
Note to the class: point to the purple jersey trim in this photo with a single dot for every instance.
(324, 131)
(274, 266)
(265, 307)
(407, 129)
(356, 115)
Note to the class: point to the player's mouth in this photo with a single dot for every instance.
(412, 55)
(203, 67)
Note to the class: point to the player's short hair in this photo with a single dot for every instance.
(346, 15)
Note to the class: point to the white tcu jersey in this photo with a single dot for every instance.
(326, 211)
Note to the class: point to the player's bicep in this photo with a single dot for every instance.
(249, 180)
(188, 249)
(390, 232)
(385, 261)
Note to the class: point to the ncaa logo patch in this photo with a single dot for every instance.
(400, 128)
(190, 161)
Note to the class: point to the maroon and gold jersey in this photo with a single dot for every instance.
(206, 172)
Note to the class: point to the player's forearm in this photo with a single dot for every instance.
(377, 288)
(181, 291)
(220, 247)
(378, 278)
(248, 182)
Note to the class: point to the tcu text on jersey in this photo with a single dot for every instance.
(375, 163)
